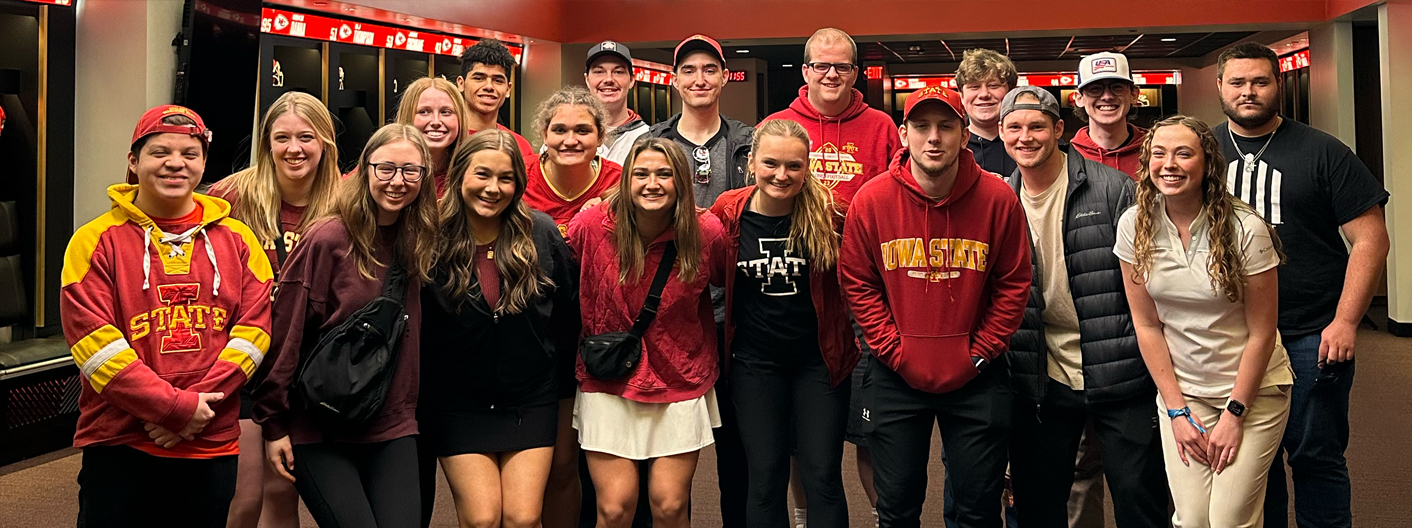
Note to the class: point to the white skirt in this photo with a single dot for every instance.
(638, 431)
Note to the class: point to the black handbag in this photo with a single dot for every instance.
(614, 355)
(344, 379)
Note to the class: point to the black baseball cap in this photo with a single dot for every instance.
(608, 47)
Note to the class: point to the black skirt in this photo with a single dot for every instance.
(450, 432)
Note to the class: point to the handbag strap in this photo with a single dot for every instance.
(654, 295)
(394, 285)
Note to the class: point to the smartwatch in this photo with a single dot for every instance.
(1236, 408)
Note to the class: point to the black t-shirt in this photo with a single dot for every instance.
(774, 311)
(1307, 184)
(991, 156)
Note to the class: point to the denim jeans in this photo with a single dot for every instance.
(1314, 442)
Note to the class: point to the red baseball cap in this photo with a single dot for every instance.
(698, 42)
(937, 93)
(151, 123)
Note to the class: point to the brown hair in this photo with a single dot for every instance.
(980, 64)
(812, 218)
(516, 257)
(1248, 50)
(1226, 264)
(631, 254)
(258, 186)
(570, 95)
(415, 245)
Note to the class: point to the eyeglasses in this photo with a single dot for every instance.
(702, 155)
(387, 170)
(843, 68)
(1096, 90)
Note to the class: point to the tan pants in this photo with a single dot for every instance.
(1236, 497)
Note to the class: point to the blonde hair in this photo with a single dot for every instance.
(407, 109)
(979, 64)
(812, 220)
(829, 36)
(257, 187)
(1226, 264)
(628, 243)
(516, 257)
(415, 245)
(570, 95)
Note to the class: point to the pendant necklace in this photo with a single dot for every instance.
(1249, 158)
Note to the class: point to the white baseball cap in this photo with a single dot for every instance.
(1106, 65)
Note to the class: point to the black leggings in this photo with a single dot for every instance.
(784, 409)
(360, 485)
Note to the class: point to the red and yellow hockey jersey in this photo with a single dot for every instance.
(154, 318)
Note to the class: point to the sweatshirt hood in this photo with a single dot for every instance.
(170, 245)
(968, 173)
(856, 107)
(124, 198)
(1085, 143)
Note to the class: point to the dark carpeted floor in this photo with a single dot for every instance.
(42, 492)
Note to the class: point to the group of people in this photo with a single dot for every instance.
(564, 330)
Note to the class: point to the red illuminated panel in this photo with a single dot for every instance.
(1294, 61)
(737, 76)
(873, 73)
(1142, 78)
(279, 22)
(52, 2)
(652, 76)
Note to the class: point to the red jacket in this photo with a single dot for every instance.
(679, 349)
(836, 341)
(1124, 158)
(935, 285)
(153, 318)
(849, 148)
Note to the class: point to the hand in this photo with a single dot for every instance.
(203, 415)
(590, 203)
(1224, 441)
(1190, 440)
(165, 438)
(280, 455)
(1336, 342)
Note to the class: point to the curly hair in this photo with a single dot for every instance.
(490, 52)
(981, 64)
(1226, 264)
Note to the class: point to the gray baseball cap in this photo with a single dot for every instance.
(608, 47)
(1047, 103)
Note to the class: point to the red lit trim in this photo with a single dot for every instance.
(1294, 61)
(1141, 78)
(288, 23)
(873, 73)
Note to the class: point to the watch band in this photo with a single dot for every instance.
(1185, 411)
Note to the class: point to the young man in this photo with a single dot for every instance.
(984, 77)
(608, 75)
(719, 150)
(1106, 97)
(1309, 186)
(937, 235)
(485, 83)
(164, 335)
(1075, 358)
(852, 142)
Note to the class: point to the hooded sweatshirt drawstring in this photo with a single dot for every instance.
(175, 242)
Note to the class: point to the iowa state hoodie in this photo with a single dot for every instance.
(153, 318)
(936, 284)
(1125, 158)
(848, 149)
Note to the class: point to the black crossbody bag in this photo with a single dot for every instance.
(614, 355)
(344, 379)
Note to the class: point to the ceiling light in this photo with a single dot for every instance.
(786, 65)
(1169, 39)
(742, 51)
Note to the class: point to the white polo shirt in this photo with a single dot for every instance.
(1205, 332)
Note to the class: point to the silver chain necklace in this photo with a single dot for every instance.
(1250, 159)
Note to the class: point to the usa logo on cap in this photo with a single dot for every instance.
(1104, 65)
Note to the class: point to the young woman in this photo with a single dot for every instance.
(435, 107)
(354, 475)
(500, 310)
(1201, 274)
(787, 330)
(664, 409)
(291, 184)
(570, 175)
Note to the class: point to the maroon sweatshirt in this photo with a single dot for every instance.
(936, 284)
(849, 148)
(319, 287)
(1124, 158)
